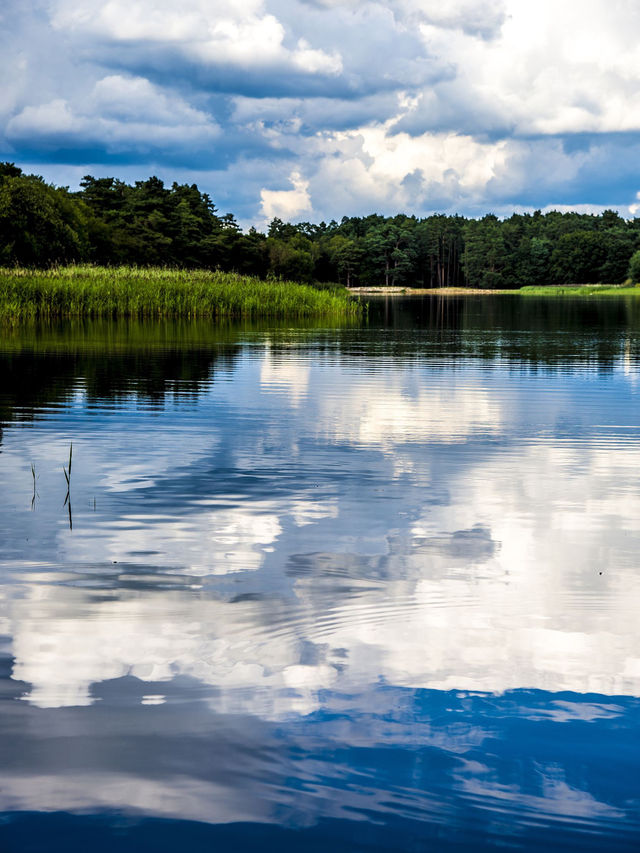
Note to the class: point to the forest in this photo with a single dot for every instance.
(109, 222)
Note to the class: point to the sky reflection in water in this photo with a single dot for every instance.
(375, 588)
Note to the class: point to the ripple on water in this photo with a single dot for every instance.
(375, 586)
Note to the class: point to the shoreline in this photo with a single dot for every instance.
(527, 290)
(424, 291)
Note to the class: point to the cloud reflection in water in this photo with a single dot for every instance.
(329, 573)
(423, 563)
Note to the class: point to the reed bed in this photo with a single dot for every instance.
(88, 291)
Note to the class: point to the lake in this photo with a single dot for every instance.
(362, 588)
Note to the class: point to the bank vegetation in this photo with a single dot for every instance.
(89, 291)
(108, 222)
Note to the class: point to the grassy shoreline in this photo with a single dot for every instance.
(88, 291)
(581, 290)
(527, 290)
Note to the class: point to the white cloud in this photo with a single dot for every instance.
(415, 105)
(210, 32)
(476, 17)
(158, 20)
(137, 100)
(286, 204)
(315, 61)
(555, 68)
(119, 112)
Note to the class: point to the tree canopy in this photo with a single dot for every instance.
(147, 223)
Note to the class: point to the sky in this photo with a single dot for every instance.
(315, 109)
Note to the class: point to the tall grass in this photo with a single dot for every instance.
(87, 291)
(580, 290)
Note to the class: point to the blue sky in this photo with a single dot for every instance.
(312, 109)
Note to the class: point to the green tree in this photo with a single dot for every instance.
(578, 257)
(345, 254)
(39, 224)
(485, 255)
(532, 261)
(439, 249)
(619, 245)
(291, 259)
(634, 267)
(390, 250)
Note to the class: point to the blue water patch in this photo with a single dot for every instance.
(352, 588)
(461, 770)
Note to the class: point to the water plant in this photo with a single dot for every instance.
(67, 471)
(67, 476)
(35, 493)
(88, 291)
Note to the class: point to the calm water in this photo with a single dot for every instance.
(319, 589)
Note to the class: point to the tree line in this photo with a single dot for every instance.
(111, 222)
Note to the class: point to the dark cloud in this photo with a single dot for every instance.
(375, 106)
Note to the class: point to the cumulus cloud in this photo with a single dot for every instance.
(119, 114)
(242, 35)
(286, 204)
(317, 108)
(482, 18)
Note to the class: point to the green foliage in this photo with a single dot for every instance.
(485, 253)
(110, 222)
(85, 291)
(39, 224)
(578, 257)
(345, 254)
(293, 258)
(580, 290)
(440, 249)
(9, 170)
(634, 267)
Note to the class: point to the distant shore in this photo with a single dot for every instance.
(547, 290)
(91, 291)
(424, 291)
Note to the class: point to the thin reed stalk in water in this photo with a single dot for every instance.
(67, 473)
(35, 494)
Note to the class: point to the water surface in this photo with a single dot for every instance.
(361, 588)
